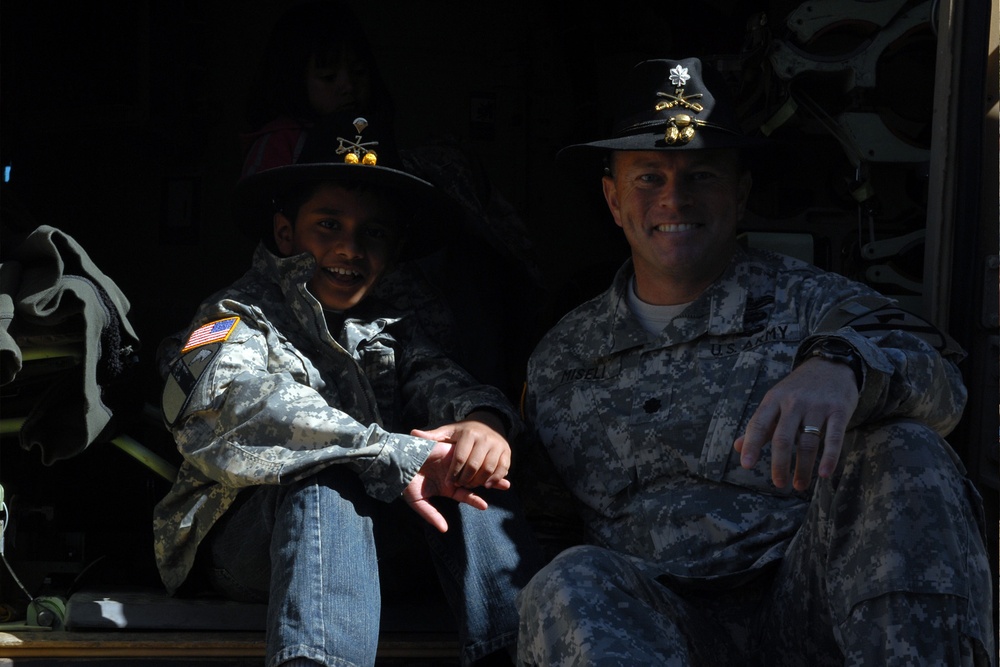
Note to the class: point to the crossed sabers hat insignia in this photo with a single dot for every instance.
(355, 150)
(680, 128)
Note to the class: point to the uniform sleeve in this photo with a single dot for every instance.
(910, 367)
(245, 421)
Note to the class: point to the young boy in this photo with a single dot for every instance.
(304, 406)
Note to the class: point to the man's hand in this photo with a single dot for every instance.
(817, 393)
(435, 479)
(481, 456)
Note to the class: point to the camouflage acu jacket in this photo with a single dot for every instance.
(268, 394)
(640, 428)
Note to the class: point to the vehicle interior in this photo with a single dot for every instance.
(120, 133)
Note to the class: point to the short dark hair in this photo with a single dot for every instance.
(292, 200)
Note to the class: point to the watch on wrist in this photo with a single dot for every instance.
(839, 352)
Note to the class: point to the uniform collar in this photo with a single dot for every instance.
(718, 311)
(359, 324)
(289, 272)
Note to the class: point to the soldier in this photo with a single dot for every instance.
(754, 447)
(309, 413)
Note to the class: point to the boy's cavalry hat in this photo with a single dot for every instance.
(354, 158)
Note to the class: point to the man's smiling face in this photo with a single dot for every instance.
(679, 212)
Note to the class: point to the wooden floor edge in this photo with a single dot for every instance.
(125, 644)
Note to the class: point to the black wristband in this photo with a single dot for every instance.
(839, 352)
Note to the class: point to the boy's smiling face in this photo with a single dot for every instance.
(353, 235)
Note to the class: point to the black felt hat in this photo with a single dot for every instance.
(429, 214)
(669, 105)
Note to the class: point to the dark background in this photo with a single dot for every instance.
(120, 124)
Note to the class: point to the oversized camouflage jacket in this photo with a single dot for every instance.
(640, 428)
(260, 391)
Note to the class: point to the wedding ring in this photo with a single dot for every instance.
(811, 430)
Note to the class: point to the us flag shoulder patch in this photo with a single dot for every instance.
(213, 332)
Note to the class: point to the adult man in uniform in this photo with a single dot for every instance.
(754, 446)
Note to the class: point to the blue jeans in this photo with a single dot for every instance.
(308, 549)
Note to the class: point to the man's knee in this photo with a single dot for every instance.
(905, 465)
(903, 444)
(580, 564)
(557, 583)
(904, 504)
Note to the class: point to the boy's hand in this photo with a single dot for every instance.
(435, 479)
(481, 456)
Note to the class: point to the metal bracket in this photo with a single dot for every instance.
(811, 18)
(790, 60)
(893, 246)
